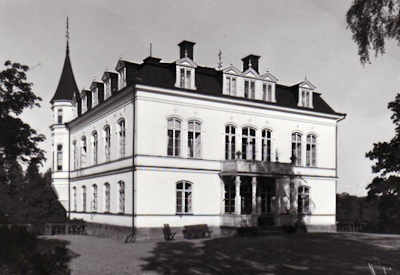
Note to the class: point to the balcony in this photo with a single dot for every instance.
(229, 167)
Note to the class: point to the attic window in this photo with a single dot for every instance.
(107, 83)
(122, 78)
(249, 89)
(186, 78)
(231, 85)
(267, 92)
(306, 97)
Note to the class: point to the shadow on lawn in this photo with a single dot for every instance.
(276, 254)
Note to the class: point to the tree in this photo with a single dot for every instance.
(18, 139)
(385, 187)
(372, 22)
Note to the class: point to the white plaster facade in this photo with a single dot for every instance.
(150, 175)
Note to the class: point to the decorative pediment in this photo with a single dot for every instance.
(269, 77)
(307, 85)
(187, 62)
(250, 72)
(232, 70)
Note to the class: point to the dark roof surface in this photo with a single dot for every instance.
(209, 82)
(66, 85)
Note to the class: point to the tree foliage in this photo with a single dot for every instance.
(18, 139)
(372, 22)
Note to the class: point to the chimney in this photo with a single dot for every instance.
(250, 61)
(186, 49)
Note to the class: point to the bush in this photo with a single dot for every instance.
(22, 252)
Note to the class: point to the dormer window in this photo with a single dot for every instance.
(306, 89)
(231, 85)
(267, 92)
(122, 78)
(84, 103)
(107, 84)
(250, 89)
(186, 78)
(95, 97)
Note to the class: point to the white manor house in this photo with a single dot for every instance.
(178, 143)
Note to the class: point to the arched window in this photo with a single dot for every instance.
(183, 197)
(74, 203)
(230, 142)
(59, 116)
(107, 142)
(83, 198)
(95, 146)
(311, 151)
(121, 196)
(303, 200)
(248, 143)
(174, 137)
(122, 135)
(296, 149)
(59, 157)
(83, 151)
(266, 144)
(94, 202)
(194, 139)
(107, 197)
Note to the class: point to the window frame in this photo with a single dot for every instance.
(266, 145)
(303, 200)
(230, 142)
(248, 138)
(193, 150)
(186, 201)
(84, 198)
(176, 139)
(107, 142)
(60, 116)
(94, 198)
(107, 197)
(84, 151)
(122, 197)
(311, 150)
(60, 157)
(296, 150)
(95, 147)
(122, 137)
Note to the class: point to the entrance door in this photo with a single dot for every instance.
(266, 190)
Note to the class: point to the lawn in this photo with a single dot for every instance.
(316, 253)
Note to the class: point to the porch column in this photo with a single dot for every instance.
(253, 197)
(222, 185)
(238, 203)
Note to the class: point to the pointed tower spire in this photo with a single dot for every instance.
(66, 88)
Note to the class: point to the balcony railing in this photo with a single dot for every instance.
(256, 166)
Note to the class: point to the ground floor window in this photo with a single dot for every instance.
(107, 197)
(121, 197)
(230, 193)
(84, 198)
(183, 197)
(303, 200)
(246, 196)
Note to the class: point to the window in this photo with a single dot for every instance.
(121, 134)
(249, 89)
(122, 78)
(75, 203)
(174, 137)
(95, 140)
(230, 142)
(185, 78)
(75, 152)
(296, 149)
(231, 85)
(266, 145)
(107, 197)
(108, 87)
(83, 151)
(107, 142)
(83, 198)
(267, 92)
(183, 197)
(306, 98)
(95, 97)
(59, 157)
(59, 116)
(248, 143)
(230, 194)
(194, 139)
(94, 202)
(311, 151)
(303, 200)
(121, 197)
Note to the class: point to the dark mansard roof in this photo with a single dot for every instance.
(152, 72)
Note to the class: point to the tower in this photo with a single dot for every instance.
(62, 106)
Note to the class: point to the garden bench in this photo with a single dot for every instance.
(196, 231)
(168, 235)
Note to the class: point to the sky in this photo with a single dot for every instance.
(294, 38)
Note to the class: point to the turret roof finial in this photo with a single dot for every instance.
(67, 35)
